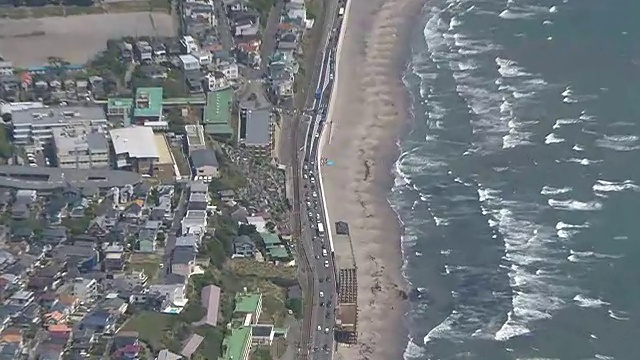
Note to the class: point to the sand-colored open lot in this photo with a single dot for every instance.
(28, 42)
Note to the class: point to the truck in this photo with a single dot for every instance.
(320, 229)
(341, 11)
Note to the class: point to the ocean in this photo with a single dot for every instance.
(518, 184)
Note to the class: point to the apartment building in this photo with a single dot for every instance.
(80, 147)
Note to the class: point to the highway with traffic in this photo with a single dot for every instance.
(315, 227)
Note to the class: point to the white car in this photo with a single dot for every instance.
(319, 328)
(326, 263)
(315, 194)
(321, 294)
(326, 330)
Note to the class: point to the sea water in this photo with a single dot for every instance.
(519, 180)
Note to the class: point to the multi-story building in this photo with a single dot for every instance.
(147, 104)
(80, 147)
(258, 130)
(135, 149)
(35, 126)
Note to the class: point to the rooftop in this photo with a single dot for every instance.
(218, 129)
(57, 115)
(148, 102)
(191, 345)
(47, 178)
(204, 157)
(137, 141)
(258, 127)
(195, 136)
(79, 139)
(218, 107)
(211, 301)
(270, 239)
(236, 343)
(247, 302)
(124, 103)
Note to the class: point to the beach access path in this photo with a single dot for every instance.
(366, 115)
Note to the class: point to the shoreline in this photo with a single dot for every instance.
(370, 112)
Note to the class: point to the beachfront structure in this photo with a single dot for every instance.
(35, 126)
(216, 116)
(80, 148)
(135, 149)
(258, 131)
(147, 105)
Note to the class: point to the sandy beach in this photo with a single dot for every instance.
(366, 117)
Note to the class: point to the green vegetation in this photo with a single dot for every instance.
(6, 148)
(295, 305)
(263, 7)
(155, 329)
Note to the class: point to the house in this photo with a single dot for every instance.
(144, 52)
(114, 261)
(259, 222)
(262, 334)
(84, 290)
(204, 165)
(168, 355)
(190, 241)
(21, 233)
(197, 202)
(230, 70)
(183, 260)
(189, 62)
(82, 255)
(198, 187)
(215, 80)
(243, 247)
(65, 304)
(100, 321)
(191, 345)
(194, 222)
(194, 82)
(126, 345)
(21, 299)
(147, 241)
(174, 296)
(204, 57)
(246, 26)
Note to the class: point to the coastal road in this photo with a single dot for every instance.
(315, 227)
(319, 322)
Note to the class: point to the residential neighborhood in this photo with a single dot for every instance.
(144, 212)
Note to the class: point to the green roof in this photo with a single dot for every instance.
(278, 252)
(122, 103)
(247, 302)
(270, 239)
(218, 129)
(236, 343)
(148, 102)
(218, 108)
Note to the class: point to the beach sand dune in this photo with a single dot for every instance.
(367, 113)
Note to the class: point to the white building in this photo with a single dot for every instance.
(204, 57)
(81, 147)
(230, 70)
(215, 81)
(35, 126)
(189, 62)
(189, 44)
(135, 148)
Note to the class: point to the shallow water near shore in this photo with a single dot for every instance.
(517, 185)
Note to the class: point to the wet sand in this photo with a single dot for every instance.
(367, 114)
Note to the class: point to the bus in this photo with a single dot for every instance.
(320, 229)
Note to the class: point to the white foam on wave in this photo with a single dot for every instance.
(550, 190)
(602, 187)
(566, 231)
(509, 68)
(577, 148)
(553, 139)
(586, 256)
(574, 205)
(534, 296)
(603, 357)
(553, 9)
(561, 122)
(619, 142)
(583, 161)
(619, 315)
(587, 302)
